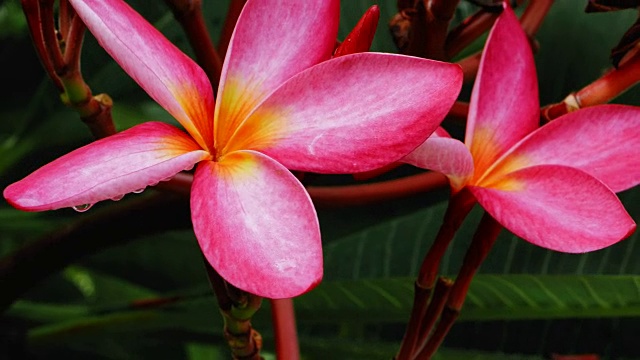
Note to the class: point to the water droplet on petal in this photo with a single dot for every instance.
(116, 198)
(138, 191)
(82, 208)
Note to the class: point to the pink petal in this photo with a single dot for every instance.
(504, 103)
(361, 37)
(161, 69)
(558, 208)
(601, 140)
(272, 41)
(445, 155)
(107, 168)
(353, 113)
(256, 225)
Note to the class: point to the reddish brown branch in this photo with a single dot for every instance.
(189, 15)
(601, 91)
(346, 195)
(468, 31)
(235, 8)
(284, 326)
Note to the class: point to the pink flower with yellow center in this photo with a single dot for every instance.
(552, 185)
(283, 104)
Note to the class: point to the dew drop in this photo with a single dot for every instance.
(116, 198)
(82, 208)
(138, 191)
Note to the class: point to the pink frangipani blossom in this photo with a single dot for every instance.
(552, 185)
(282, 104)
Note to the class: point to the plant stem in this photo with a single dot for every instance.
(459, 206)
(284, 325)
(237, 308)
(346, 195)
(189, 15)
(531, 20)
(432, 313)
(482, 243)
(32, 13)
(48, 29)
(235, 8)
(439, 15)
(534, 14)
(602, 90)
(468, 31)
(64, 68)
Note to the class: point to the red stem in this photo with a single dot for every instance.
(284, 326)
(531, 20)
(534, 14)
(235, 8)
(346, 195)
(439, 15)
(73, 43)
(64, 18)
(468, 31)
(483, 240)
(32, 13)
(459, 206)
(603, 90)
(49, 34)
(189, 15)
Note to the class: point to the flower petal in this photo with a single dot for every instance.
(361, 37)
(272, 41)
(601, 140)
(161, 69)
(256, 225)
(107, 168)
(557, 207)
(504, 103)
(445, 155)
(353, 113)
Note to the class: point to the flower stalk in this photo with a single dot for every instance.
(482, 243)
(189, 14)
(59, 51)
(613, 83)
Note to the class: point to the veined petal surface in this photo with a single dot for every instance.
(256, 225)
(171, 78)
(107, 168)
(272, 41)
(504, 104)
(602, 140)
(445, 155)
(558, 208)
(353, 113)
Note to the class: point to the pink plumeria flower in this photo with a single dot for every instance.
(282, 105)
(554, 185)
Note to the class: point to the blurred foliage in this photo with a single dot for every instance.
(149, 298)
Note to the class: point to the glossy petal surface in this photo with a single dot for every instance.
(256, 225)
(558, 208)
(352, 113)
(445, 155)
(161, 69)
(602, 140)
(107, 168)
(272, 41)
(504, 103)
